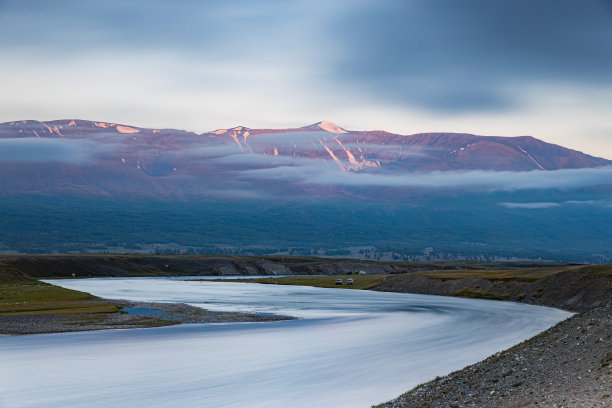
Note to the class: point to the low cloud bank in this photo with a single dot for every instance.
(530, 205)
(317, 170)
(44, 150)
(489, 180)
(545, 205)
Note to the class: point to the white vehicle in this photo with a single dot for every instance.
(349, 281)
(338, 281)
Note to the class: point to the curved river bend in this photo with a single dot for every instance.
(350, 348)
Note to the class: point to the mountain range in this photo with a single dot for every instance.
(100, 158)
(88, 185)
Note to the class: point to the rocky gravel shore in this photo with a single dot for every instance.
(568, 365)
(140, 315)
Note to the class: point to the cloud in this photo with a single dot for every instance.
(210, 152)
(208, 28)
(269, 161)
(41, 150)
(444, 56)
(544, 205)
(453, 56)
(44, 150)
(301, 140)
(479, 179)
(530, 205)
(286, 144)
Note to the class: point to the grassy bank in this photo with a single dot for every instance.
(359, 281)
(25, 296)
(571, 287)
(29, 306)
(520, 274)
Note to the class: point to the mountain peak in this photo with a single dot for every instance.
(329, 127)
(235, 129)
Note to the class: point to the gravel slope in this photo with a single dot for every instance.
(569, 365)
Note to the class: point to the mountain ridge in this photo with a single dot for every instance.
(57, 128)
(107, 158)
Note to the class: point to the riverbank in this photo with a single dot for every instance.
(131, 315)
(568, 365)
(573, 288)
(29, 306)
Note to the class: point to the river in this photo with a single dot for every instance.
(349, 348)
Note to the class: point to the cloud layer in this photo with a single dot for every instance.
(314, 173)
(45, 150)
(463, 56)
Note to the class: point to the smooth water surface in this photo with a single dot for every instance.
(350, 348)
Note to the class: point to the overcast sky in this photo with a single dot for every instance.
(533, 67)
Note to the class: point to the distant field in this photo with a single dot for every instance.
(360, 281)
(20, 295)
(600, 270)
(524, 274)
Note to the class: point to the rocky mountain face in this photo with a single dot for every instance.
(98, 158)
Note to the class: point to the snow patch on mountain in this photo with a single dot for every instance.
(354, 163)
(531, 158)
(126, 129)
(330, 127)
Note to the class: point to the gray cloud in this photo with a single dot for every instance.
(479, 66)
(487, 180)
(441, 55)
(302, 140)
(598, 203)
(208, 28)
(530, 205)
(268, 160)
(210, 152)
(544, 205)
(42, 150)
(455, 56)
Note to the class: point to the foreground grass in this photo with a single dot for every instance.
(20, 295)
(329, 281)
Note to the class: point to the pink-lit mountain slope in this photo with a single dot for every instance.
(88, 157)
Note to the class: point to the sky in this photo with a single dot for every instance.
(491, 67)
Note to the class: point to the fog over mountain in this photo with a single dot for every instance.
(317, 187)
(305, 159)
